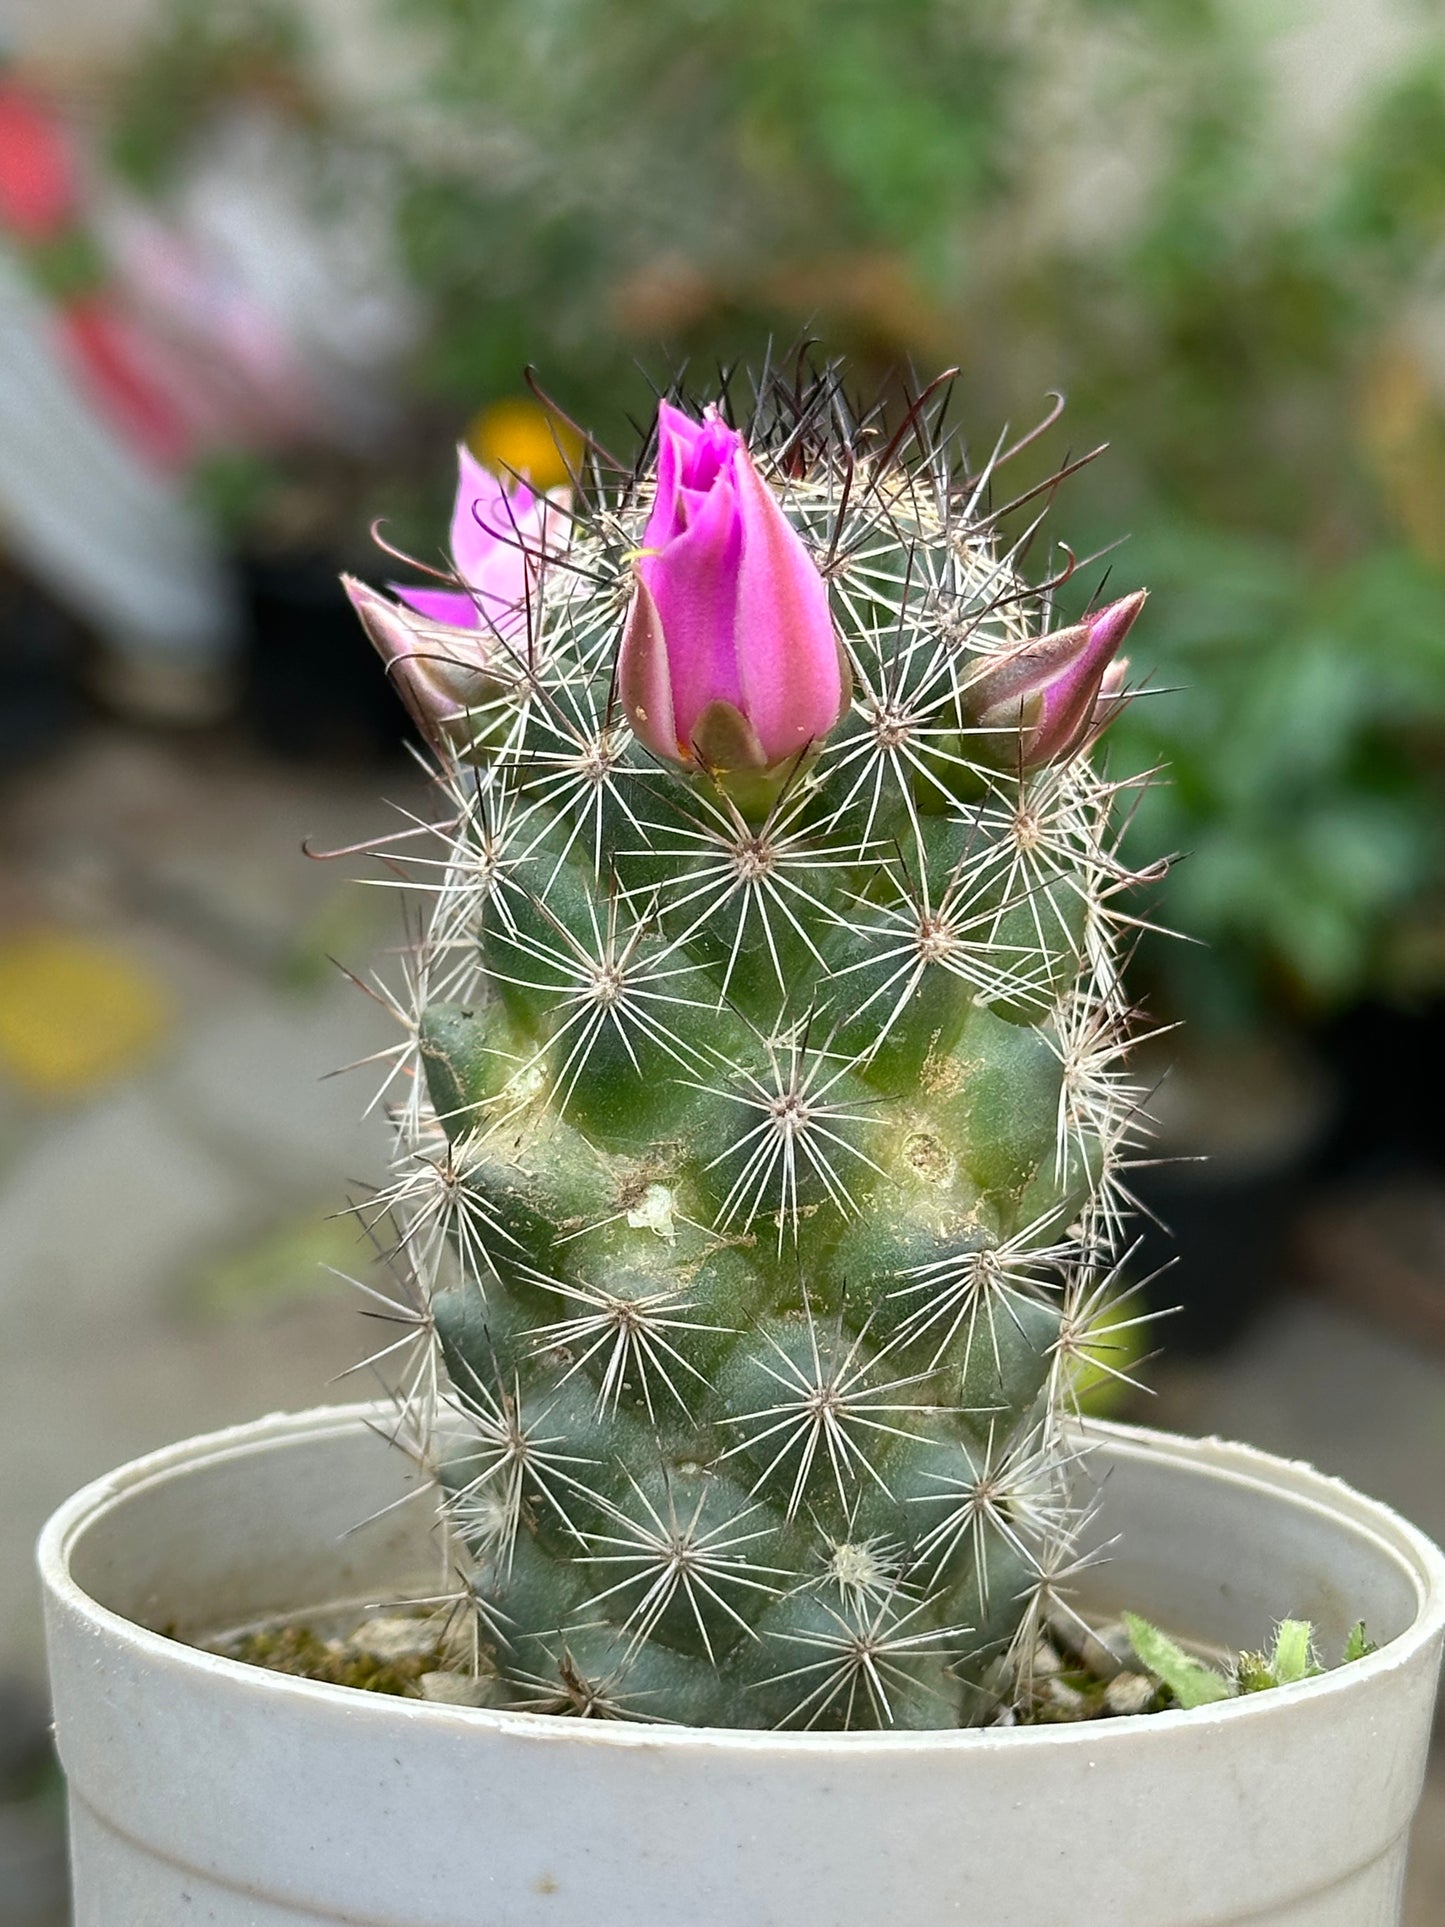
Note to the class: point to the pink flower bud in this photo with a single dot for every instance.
(1061, 690)
(447, 650)
(729, 659)
(441, 673)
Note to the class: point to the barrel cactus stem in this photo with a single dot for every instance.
(762, 1109)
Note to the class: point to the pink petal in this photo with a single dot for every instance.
(643, 686)
(693, 582)
(676, 435)
(714, 448)
(789, 664)
(501, 571)
(450, 606)
(487, 514)
(501, 591)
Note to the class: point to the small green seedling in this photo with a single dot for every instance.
(1194, 1682)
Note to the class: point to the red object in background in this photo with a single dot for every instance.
(39, 203)
(37, 173)
(112, 363)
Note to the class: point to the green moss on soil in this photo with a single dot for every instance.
(301, 1651)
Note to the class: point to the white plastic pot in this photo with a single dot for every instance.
(204, 1791)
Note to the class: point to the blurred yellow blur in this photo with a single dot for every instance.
(518, 436)
(74, 1014)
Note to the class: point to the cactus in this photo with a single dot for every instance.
(761, 1110)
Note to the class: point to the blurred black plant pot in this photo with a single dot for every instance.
(40, 654)
(313, 691)
(1390, 1063)
(1241, 1121)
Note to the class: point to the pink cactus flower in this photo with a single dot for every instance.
(498, 537)
(1059, 691)
(449, 651)
(729, 660)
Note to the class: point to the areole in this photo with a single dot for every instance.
(206, 1791)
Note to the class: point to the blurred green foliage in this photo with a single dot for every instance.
(199, 55)
(1122, 200)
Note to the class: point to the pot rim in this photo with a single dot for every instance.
(1224, 1460)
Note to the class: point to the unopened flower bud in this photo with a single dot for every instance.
(1061, 690)
(441, 673)
(448, 651)
(729, 661)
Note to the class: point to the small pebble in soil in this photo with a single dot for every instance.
(1077, 1673)
(454, 1689)
(389, 1638)
(1130, 1693)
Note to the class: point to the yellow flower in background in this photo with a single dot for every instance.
(74, 1014)
(518, 436)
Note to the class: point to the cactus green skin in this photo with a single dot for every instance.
(763, 1164)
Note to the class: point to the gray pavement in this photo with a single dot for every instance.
(223, 1155)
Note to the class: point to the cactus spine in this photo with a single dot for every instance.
(759, 1142)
